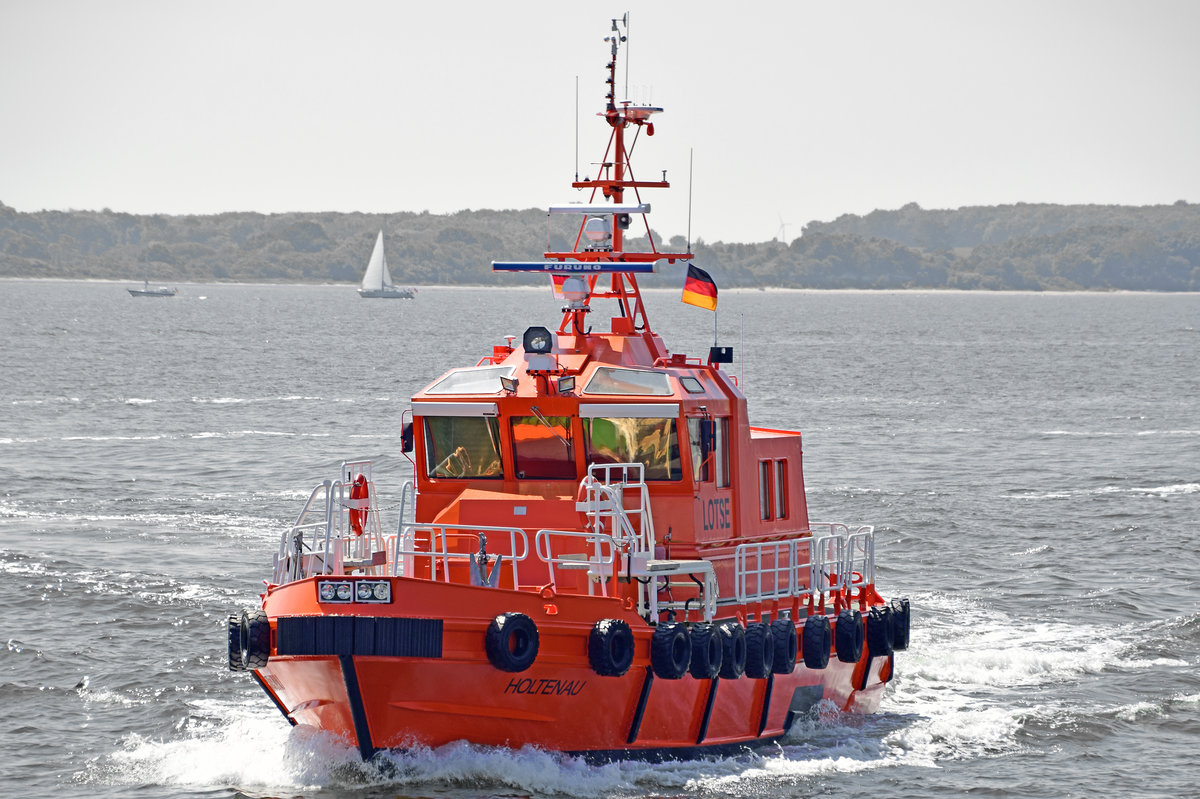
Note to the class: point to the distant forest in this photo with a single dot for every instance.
(1024, 246)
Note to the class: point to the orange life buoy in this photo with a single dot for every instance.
(358, 516)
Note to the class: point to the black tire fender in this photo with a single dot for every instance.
(760, 650)
(670, 650)
(900, 623)
(733, 650)
(233, 626)
(817, 642)
(786, 645)
(706, 651)
(254, 638)
(848, 634)
(879, 631)
(511, 642)
(610, 647)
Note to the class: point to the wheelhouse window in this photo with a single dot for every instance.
(614, 380)
(542, 447)
(713, 464)
(461, 447)
(472, 380)
(653, 442)
(721, 453)
(701, 460)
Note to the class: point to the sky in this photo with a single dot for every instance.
(776, 113)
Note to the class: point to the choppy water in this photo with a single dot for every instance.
(1032, 464)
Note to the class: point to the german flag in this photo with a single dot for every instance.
(700, 289)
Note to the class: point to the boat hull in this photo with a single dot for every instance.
(385, 294)
(390, 681)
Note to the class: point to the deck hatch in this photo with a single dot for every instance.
(359, 635)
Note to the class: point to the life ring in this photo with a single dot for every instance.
(358, 516)
(234, 628)
(817, 641)
(511, 642)
(733, 650)
(706, 652)
(848, 636)
(610, 647)
(760, 650)
(670, 650)
(786, 645)
(900, 623)
(254, 638)
(879, 631)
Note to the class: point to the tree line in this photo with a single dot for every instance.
(1024, 246)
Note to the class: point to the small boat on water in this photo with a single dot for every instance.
(159, 291)
(377, 281)
(599, 554)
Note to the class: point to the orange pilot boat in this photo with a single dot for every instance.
(599, 554)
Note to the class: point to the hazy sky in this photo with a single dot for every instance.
(793, 111)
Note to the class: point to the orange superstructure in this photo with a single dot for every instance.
(599, 554)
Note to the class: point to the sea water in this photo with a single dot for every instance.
(1031, 463)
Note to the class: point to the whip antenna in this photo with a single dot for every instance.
(576, 128)
(689, 226)
(625, 23)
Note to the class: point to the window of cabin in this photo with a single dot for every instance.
(765, 494)
(781, 510)
(472, 380)
(461, 447)
(542, 447)
(653, 442)
(615, 380)
(721, 455)
(701, 461)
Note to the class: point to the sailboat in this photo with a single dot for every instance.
(377, 282)
(146, 291)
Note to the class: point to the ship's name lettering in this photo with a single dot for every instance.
(716, 514)
(544, 687)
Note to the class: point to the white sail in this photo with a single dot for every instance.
(377, 277)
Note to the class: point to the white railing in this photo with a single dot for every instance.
(598, 562)
(814, 565)
(323, 540)
(440, 553)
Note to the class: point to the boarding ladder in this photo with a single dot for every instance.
(616, 502)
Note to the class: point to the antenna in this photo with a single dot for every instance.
(576, 128)
(689, 238)
(625, 23)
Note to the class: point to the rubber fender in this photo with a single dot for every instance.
(234, 628)
(511, 642)
(787, 646)
(900, 623)
(848, 636)
(760, 650)
(733, 650)
(610, 647)
(879, 631)
(254, 638)
(817, 641)
(706, 651)
(670, 650)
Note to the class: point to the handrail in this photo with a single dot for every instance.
(813, 565)
(443, 533)
(604, 548)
